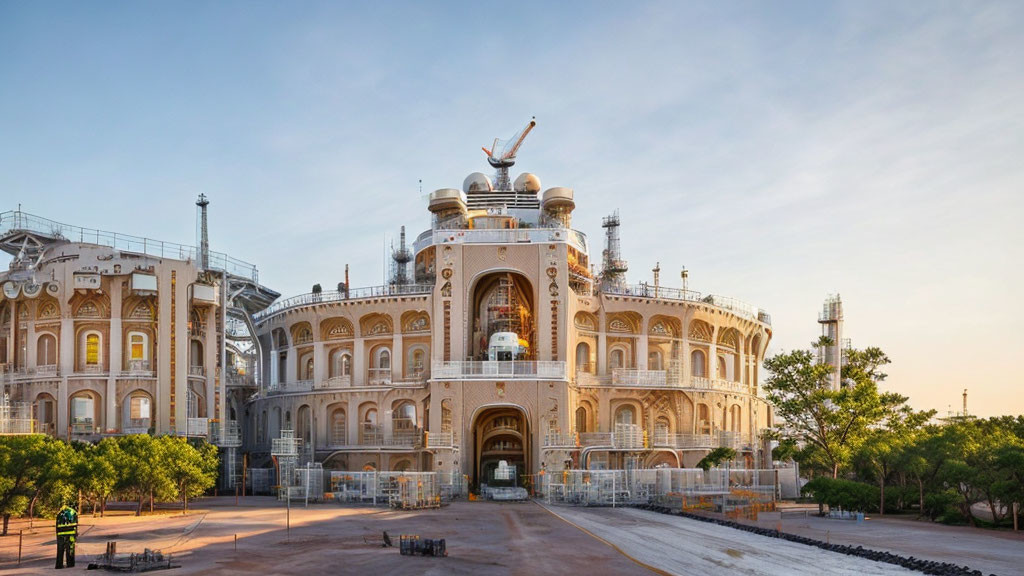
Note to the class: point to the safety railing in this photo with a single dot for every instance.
(336, 296)
(644, 290)
(135, 426)
(485, 370)
(197, 427)
(445, 439)
(514, 236)
(18, 220)
(634, 377)
(334, 382)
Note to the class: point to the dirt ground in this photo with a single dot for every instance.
(487, 538)
(481, 537)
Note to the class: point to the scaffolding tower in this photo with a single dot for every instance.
(613, 267)
(15, 417)
(400, 260)
(830, 351)
(285, 451)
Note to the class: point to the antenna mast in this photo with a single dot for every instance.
(204, 239)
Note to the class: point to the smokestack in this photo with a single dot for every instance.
(204, 240)
(346, 281)
(965, 401)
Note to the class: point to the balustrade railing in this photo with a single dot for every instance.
(334, 382)
(197, 371)
(512, 369)
(633, 377)
(336, 296)
(445, 439)
(378, 376)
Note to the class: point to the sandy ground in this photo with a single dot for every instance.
(682, 546)
(990, 551)
(482, 538)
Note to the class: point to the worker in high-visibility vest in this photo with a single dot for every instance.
(67, 533)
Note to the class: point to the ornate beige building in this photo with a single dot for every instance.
(495, 341)
(104, 334)
(502, 345)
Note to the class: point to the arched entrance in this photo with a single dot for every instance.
(501, 302)
(500, 434)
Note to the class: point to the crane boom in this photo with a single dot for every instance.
(515, 148)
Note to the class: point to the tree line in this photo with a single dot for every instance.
(868, 450)
(38, 473)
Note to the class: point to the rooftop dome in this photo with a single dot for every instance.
(477, 182)
(527, 182)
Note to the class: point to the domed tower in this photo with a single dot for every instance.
(557, 204)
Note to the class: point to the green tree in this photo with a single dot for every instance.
(31, 467)
(716, 457)
(831, 423)
(883, 446)
(142, 469)
(192, 469)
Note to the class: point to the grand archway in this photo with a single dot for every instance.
(501, 302)
(500, 434)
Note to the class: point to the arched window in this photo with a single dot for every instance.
(308, 374)
(736, 418)
(722, 372)
(92, 349)
(625, 415)
(404, 416)
(346, 364)
(383, 359)
(581, 420)
(46, 350)
(339, 432)
(583, 358)
(369, 434)
(83, 414)
(617, 359)
(138, 347)
(697, 363)
(661, 430)
(196, 351)
(446, 416)
(654, 360)
(703, 419)
(417, 362)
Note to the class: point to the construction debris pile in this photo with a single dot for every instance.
(145, 562)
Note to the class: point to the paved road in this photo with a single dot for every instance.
(682, 546)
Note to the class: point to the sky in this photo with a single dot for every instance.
(779, 151)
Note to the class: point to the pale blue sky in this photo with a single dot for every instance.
(781, 151)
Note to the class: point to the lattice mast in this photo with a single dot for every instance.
(831, 320)
(400, 260)
(204, 238)
(613, 267)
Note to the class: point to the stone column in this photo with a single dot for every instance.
(397, 358)
(67, 366)
(359, 374)
(641, 345)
